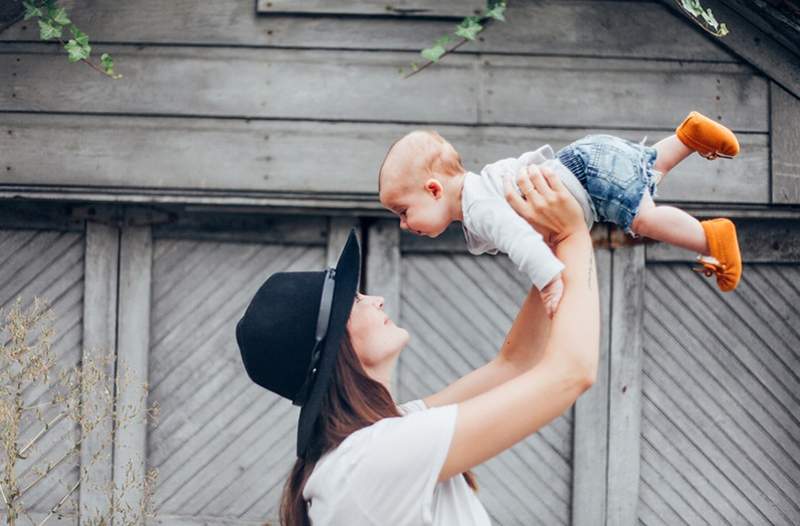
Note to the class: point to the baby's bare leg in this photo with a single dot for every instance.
(670, 225)
(671, 151)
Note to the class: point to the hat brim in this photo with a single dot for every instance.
(348, 269)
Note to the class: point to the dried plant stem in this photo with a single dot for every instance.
(54, 509)
(45, 429)
(51, 467)
(3, 493)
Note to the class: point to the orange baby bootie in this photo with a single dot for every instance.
(725, 260)
(707, 137)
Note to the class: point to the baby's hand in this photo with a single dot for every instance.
(551, 295)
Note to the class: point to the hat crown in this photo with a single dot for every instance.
(276, 333)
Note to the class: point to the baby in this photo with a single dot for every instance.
(423, 181)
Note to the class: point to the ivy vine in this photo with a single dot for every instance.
(54, 23)
(469, 28)
(466, 31)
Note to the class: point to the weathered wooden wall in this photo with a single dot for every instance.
(297, 105)
(234, 108)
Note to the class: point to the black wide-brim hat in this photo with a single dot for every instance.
(277, 334)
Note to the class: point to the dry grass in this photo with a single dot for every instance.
(35, 397)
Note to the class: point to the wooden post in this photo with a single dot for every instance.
(136, 257)
(383, 272)
(99, 337)
(590, 438)
(624, 403)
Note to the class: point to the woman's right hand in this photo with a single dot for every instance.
(547, 206)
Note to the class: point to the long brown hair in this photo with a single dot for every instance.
(353, 401)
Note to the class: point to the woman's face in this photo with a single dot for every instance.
(375, 338)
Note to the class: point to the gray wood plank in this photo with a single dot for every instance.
(382, 274)
(132, 363)
(785, 142)
(592, 28)
(584, 92)
(99, 338)
(752, 45)
(242, 158)
(350, 85)
(416, 8)
(628, 268)
(589, 462)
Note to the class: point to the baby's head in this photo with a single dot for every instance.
(419, 181)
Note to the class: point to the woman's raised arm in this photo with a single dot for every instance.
(499, 418)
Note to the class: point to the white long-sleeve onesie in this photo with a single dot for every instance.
(490, 224)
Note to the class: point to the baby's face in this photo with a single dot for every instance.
(419, 210)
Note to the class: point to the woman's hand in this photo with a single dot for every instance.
(547, 206)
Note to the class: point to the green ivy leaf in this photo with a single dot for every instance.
(31, 10)
(79, 36)
(443, 41)
(469, 28)
(48, 31)
(107, 62)
(60, 16)
(77, 51)
(692, 6)
(433, 53)
(497, 12)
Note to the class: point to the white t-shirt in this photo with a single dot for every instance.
(386, 475)
(491, 225)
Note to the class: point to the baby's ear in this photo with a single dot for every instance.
(434, 187)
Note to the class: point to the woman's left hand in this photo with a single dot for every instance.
(547, 206)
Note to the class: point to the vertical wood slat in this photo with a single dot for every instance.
(383, 272)
(589, 460)
(99, 337)
(136, 258)
(785, 145)
(624, 403)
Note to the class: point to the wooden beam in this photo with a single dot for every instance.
(130, 442)
(234, 158)
(99, 340)
(464, 89)
(751, 44)
(624, 408)
(785, 142)
(589, 462)
(383, 272)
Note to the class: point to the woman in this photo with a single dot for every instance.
(312, 338)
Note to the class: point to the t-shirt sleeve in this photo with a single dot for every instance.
(494, 220)
(399, 468)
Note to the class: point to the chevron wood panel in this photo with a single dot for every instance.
(223, 445)
(721, 398)
(458, 309)
(50, 265)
